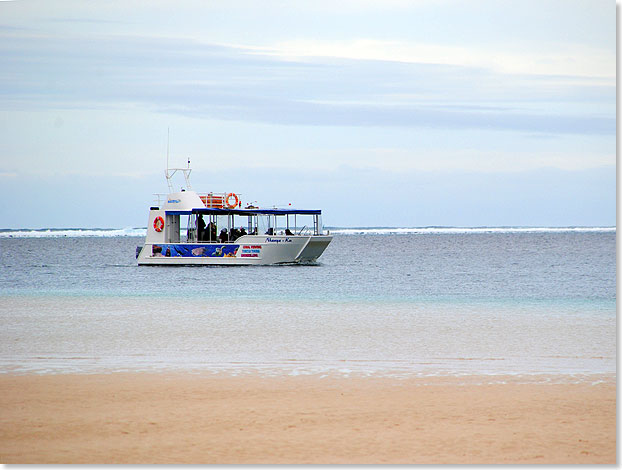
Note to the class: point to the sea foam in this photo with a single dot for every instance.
(462, 230)
(141, 232)
(73, 232)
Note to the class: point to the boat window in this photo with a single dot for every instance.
(191, 229)
(264, 224)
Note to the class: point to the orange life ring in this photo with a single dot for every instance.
(158, 224)
(235, 197)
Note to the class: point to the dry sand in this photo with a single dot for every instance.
(185, 418)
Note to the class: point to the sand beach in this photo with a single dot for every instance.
(167, 418)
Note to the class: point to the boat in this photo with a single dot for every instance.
(190, 228)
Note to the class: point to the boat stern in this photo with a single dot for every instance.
(313, 249)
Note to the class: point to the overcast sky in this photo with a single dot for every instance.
(380, 113)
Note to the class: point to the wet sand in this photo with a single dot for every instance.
(185, 418)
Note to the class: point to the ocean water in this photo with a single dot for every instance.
(383, 302)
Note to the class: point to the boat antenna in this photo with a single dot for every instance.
(168, 140)
(167, 172)
(187, 175)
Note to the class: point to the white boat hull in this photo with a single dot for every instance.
(246, 250)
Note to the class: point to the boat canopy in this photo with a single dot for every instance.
(218, 211)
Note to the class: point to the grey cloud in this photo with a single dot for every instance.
(301, 113)
(204, 80)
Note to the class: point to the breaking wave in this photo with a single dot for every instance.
(141, 232)
(461, 230)
(73, 232)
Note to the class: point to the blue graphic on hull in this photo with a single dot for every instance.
(196, 251)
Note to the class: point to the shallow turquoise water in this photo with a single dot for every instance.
(422, 304)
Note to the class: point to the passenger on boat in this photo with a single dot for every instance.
(201, 228)
(242, 231)
(224, 236)
(211, 229)
(270, 231)
(233, 234)
(288, 232)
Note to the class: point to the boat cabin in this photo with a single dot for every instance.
(215, 225)
(189, 217)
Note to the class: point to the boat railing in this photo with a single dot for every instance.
(213, 200)
(210, 200)
(158, 199)
(190, 236)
